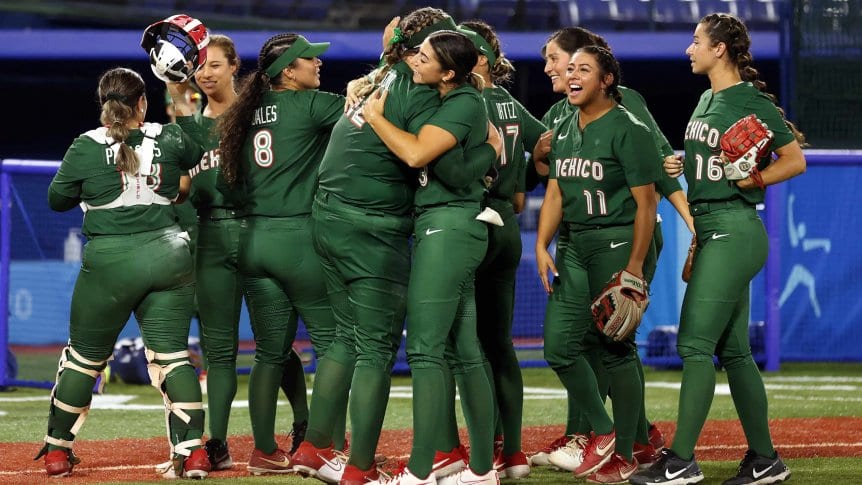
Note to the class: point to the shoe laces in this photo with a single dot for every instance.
(341, 456)
(557, 443)
(578, 442)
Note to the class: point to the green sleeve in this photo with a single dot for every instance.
(457, 115)
(635, 103)
(766, 110)
(65, 190)
(61, 203)
(193, 129)
(420, 105)
(533, 128)
(666, 185)
(327, 108)
(458, 169)
(636, 153)
(188, 150)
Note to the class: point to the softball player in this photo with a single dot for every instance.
(732, 248)
(495, 278)
(130, 227)
(566, 452)
(603, 192)
(449, 243)
(219, 288)
(274, 136)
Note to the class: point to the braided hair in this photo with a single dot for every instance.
(395, 52)
(119, 92)
(730, 30)
(502, 69)
(234, 124)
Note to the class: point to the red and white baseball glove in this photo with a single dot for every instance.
(743, 144)
(618, 309)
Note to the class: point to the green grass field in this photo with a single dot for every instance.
(798, 391)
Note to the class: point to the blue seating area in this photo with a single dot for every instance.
(519, 15)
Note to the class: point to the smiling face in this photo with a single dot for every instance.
(305, 73)
(426, 67)
(556, 62)
(585, 82)
(216, 76)
(701, 52)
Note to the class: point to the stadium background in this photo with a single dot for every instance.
(52, 53)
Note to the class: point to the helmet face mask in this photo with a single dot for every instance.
(176, 46)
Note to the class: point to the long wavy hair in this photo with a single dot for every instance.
(234, 124)
(395, 52)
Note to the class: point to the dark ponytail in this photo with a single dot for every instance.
(730, 30)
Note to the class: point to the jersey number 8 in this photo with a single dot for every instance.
(263, 155)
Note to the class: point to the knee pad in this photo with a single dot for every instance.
(178, 415)
(71, 361)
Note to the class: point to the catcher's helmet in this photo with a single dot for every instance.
(177, 47)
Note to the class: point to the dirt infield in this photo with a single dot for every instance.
(132, 460)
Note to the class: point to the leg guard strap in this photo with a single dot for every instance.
(72, 360)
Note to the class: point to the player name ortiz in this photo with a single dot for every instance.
(579, 167)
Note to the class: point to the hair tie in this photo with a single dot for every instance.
(115, 97)
(398, 37)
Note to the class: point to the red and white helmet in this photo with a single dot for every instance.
(177, 47)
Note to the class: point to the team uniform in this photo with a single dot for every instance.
(448, 245)
(732, 248)
(362, 224)
(495, 278)
(578, 424)
(282, 275)
(219, 287)
(595, 169)
(136, 260)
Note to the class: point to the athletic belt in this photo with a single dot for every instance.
(702, 208)
(219, 213)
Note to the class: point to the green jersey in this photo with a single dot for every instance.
(288, 136)
(119, 203)
(557, 113)
(714, 114)
(463, 115)
(206, 175)
(635, 103)
(520, 131)
(358, 168)
(596, 167)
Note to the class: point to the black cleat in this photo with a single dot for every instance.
(298, 434)
(759, 470)
(218, 454)
(670, 470)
